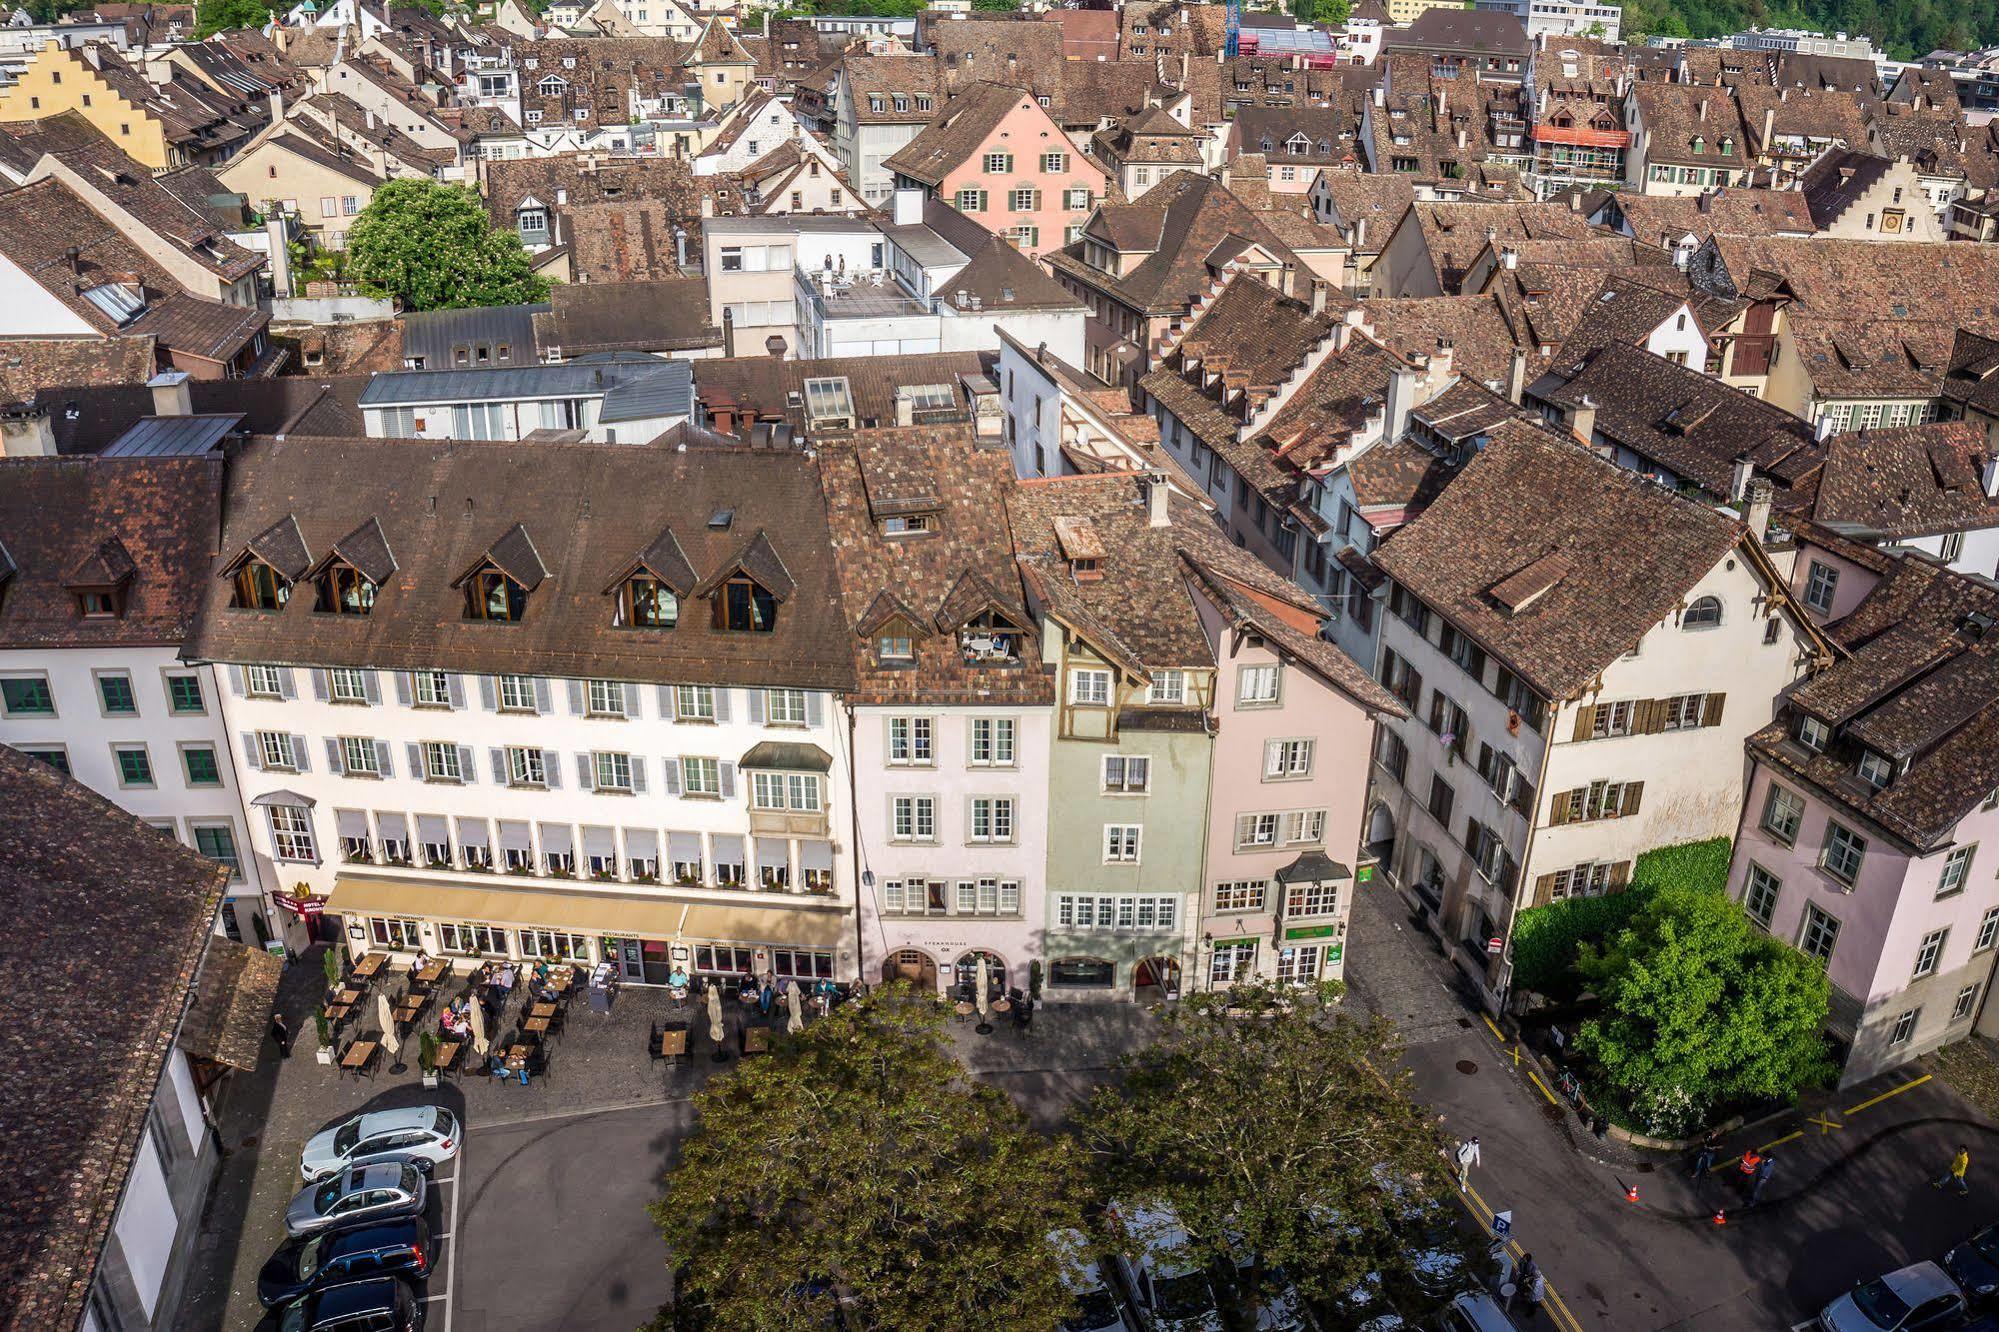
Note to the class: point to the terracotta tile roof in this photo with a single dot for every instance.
(81, 1070)
(57, 516)
(767, 389)
(582, 512)
(1379, 200)
(1453, 234)
(1190, 223)
(235, 993)
(936, 579)
(1945, 285)
(888, 75)
(588, 179)
(360, 347)
(1921, 683)
(1329, 135)
(1005, 279)
(1736, 212)
(624, 242)
(1476, 328)
(1674, 115)
(1971, 382)
(1631, 551)
(1150, 136)
(1837, 181)
(589, 317)
(29, 364)
(1802, 113)
(960, 130)
(1906, 481)
(1401, 476)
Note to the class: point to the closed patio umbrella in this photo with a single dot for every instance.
(715, 1032)
(796, 1022)
(478, 1013)
(985, 979)
(386, 1016)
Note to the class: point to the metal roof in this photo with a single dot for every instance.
(505, 384)
(173, 436)
(666, 391)
(432, 334)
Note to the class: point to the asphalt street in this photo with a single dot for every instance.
(1851, 1197)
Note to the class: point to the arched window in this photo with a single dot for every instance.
(1705, 613)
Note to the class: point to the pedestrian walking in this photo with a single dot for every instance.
(1467, 1157)
(1959, 1164)
(1704, 1159)
(1764, 1169)
(282, 1035)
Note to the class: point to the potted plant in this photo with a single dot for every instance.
(331, 963)
(1034, 981)
(604, 875)
(325, 1031)
(426, 1057)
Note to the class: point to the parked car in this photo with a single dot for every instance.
(1098, 1308)
(331, 1258)
(424, 1135)
(1168, 1289)
(386, 1304)
(1974, 1265)
(1474, 1311)
(376, 1192)
(1281, 1306)
(1915, 1298)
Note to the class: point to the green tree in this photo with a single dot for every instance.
(1701, 1010)
(213, 16)
(1282, 1134)
(1332, 12)
(862, 1159)
(430, 247)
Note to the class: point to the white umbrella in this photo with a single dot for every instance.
(985, 978)
(715, 1032)
(796, 1022)
(478, 1014)
(387, 1018)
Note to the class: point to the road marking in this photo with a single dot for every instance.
(1826, 1123)
(1536, 1078)
(1788, 1137)
(451, 1276)
(1892, 1091)
(1493, 1028)
(1483, 1213)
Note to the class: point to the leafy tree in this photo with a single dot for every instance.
(1280, 1132)
(213, 16)
(862, 1160)
(1700, 1010)
(430, 246)
(1331, 12)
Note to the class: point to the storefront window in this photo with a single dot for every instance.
(394, 932)
(475, 940)
(802, 963)
(724, 958)
(967, 968)
(1082, 973)
(555, 944)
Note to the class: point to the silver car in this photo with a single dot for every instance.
(424, 1135)
(358, 1193)
(1908, 1299)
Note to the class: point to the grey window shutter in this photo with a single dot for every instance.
(666, 702)
(576, 698)
(499, 757)
(815, 708)
(670, 775)
(632, 705)
(405, 688)
(639, 774)
(756, 697)
(321, 689)
(253, 753)
(371, 686)
(542, 703)
(454, 685)
(468, 764)
(586, 772)
(287, 682)
(722, 693)
(385, 759)
(415, 753)
(333, 764)
(237, 684)
(489, 693)
(551, 766)
(300, 754)
(728, 779)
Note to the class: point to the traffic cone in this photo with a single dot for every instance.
(1631, 1193)
(1720, 1217)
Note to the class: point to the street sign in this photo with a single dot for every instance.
(1495, 944)
(1311, 931)
(307, 907)
(1502, 1223)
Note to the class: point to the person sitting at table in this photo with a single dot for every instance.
(496, 1064)
(677, 981)
(454, 1023)
(748, 993)
(542, 971)
(505, 980)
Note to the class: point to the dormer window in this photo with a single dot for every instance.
(99, 605)
(646, 603)
(1813, 734)
(262, 576)
(989, 638)
(745, 591)
(1875, 770)
(1704, 613)
(1699, 145)
(909, 524)
(491, 595)
(895, 647)
(344, 590)
(1727, 145)
(259, 587)
(744, 605)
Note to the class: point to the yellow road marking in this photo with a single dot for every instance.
(1493, 1028)
(1483, 1213)
(1788, 1137)
(1826, 1123)
(1516, 1056)
(1893, 1091)
(1536, 1078)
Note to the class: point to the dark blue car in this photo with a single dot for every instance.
(386, 1248)
(386, 1304)
(1974, 1265)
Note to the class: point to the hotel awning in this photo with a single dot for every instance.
(765, 921)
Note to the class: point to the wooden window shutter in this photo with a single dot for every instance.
(1711, 709)
(1620, 876)
(1544, 890)
(1651, 717)
(1558, 810)
(1585, 721)
(1633, 791)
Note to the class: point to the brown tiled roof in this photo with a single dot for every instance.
(235, 994)
(1921, 683)
(1836, 182)
(87, 418)
(1462, 31)
(1454, 233)
(1972, 381)
(361, 347)
(1632, 550)
(29, 364)
(934, 579)
(1906, 481)
(1329, 134)
(1379, 200)
(1805, 113)
(624, 242)
(1005, 279)
(888, 75)
(765, 388)
(960, 130)
(1662, 220)
(56, 517)
(1476, 328)
(587, 511)
(1673, 115)
(1402, 476)
(1941, 283)
(83, 1062)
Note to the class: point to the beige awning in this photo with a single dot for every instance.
(770, 919)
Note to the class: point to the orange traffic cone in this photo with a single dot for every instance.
(1720, 1217)
(1631, 1193)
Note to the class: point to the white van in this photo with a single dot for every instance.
(1099, 1308)
(1168, 1288)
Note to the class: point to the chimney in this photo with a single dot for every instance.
(1509, 258)
(370, 114)
(1156, 491)
(170, 394)
(1769, 125)
(277, 106)
(1758, 515)
(1402, 382)
(908, 208)
(1703, 110)
(905, 410)
(1318, 296)
(1516, 376)
(1739, 479)
(1360, 233)
(25, 432)
(1582, 419)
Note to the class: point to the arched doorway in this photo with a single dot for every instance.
(912, 965)
(1156, 978)
(1380, 841)
(965, 972)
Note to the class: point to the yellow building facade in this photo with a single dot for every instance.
(60, 79)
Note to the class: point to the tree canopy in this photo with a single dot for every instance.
(862, 1164)
(1282, 1133)
(1701, 1010)
(213, 16)
(1321, 11)
(1905, 29)
(430, 246)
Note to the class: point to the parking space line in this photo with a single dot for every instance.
(1483, 1213)
(1892, 1091)
(451, 1275)
(1536, 1077)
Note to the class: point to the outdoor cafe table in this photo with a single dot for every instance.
(542, 1011)
(369, 965)
(447, 1054)
(433, 971)
(348, 994)
(517, 1057)
(756, 1040)
(408, 1007)
(536, 1025)
(338, 1012)
(359, 1055)
(1002, 1006)
(673, 1043)
(561, 980)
